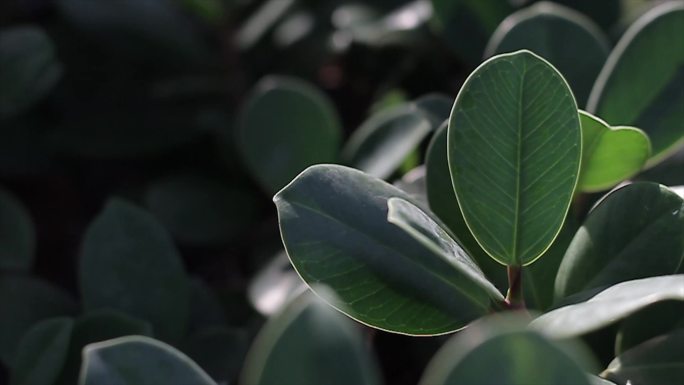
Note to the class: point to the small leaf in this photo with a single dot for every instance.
(657, 361)
(24, 302)
(636, 231)
(642, 82)
(127, 242)
(333, 222)
(274, 286)
(42, 352)
(610, 154)
(520, 356)
(17, 234)
(136, 360)
(383, 141)
(29, 68)
(610, 305)
(219, 351)
(309, 343)
(566, 38)
(296, 123)
(514, 145)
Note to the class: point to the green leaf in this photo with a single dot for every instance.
(309, 343)
(17, 234)
(610, 305)
(514, 145)
(93, 327)
(657, 361)
(219, 351)
(382, 142)
(274, 286)
(566, 38)
(42, 352)
(201, 211)
(413, 183)
(136, 360)
(29, 68)
(333, 221)
(636, 231)
(652, 321)
(642, 83)
(436, 107)
(295, 122)
(444, 204)
(500, 351)
(125, 241)
(24, 302)
(610, 154)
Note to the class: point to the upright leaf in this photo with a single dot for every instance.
(514, 146)
(637, 231)
(285, 126)
(642, 83)
(566, 38)
(42, 352)
(129, 263)
(333, 221)
(137, 360)
(309, 343)
(17, 235)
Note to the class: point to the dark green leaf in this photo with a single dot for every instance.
(129, 263)
(42, 352)
(333, 221)
(652, 321)
(642, 83)
(610, 305)
(636, 231)
(413, 183)
(436, 107)
(566, 38)
(309, 343)
(514, 144)
(219, 351)
(137, 360)
(17, 235)
(285, 126)
(610, 154)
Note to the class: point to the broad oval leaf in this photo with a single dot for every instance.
(642, 82)
(610, 305)
(652, 321)
(566, 38)
(294, 122)
(610, 154)
(24, 302)
(136, 360)
(125, 241)
(42, 352)
(333, 221)
(309, 343)
(17, 234)
(658, 361)
(502, 352)
(514, 145)
(29, 68)
(381, 143)
(636, 231)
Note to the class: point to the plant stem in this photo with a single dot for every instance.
(514, 297)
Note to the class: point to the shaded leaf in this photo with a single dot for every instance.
(17, 234)
(652, 321)
(206, 309)
(42, 352)
(219, 351)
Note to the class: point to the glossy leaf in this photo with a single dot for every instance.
(381, 143)
(610, 154)
(333, 221)
(42, 352)
(309, 343)
(219, 351)
(28, 300)
(443, 202)
(610, 305)
(652, 321)
(514, 146)
(657, 361)
(126, 241)
(295, 121)
(200, 211)
(17, 234)
(29, 68)
(566, 38)
(521, 357)
(136, 360)
(274, 286)
(642, 83)
(636, 231)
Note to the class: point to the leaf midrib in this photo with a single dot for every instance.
(516, 211)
